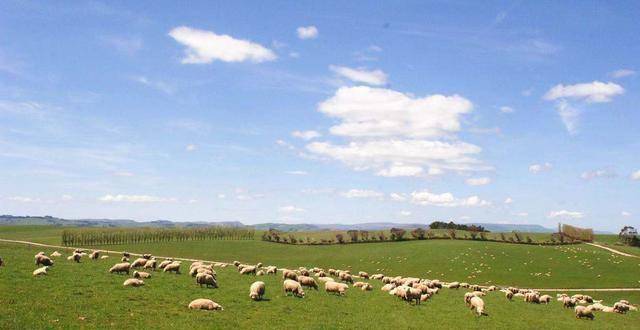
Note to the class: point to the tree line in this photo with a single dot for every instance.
(113, 236)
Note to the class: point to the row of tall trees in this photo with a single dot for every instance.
(453, 225)
(112, 236)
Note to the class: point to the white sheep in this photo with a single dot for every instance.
(133, 282)
(41, 271)
(294, 287)
(335, 287)
(173, 267)
(205, 304)
(137, 274)
(584, 311)
(478, 304)
(257, 290)
(206, 279)
(120, 268)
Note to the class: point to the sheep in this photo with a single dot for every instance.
(173, 267)
(258, 265)
(386, 279)
(206, 279)
(121, 267)
(335, 287)
(104, 257)
(388, 287)
(41, 271)
(56, 254)
(333, 272)
(137, 274)
(124, 259)
(509, 295)
(584, 311)
(94, 255)
(304, 272)
(544, 299)
(568, 302)
(196, 264)
(41, 253)
(256, 291)
(248, 270)
(41, 259)
(272, 270)
(289, 274)
(165, 263)
(147, 256)
(126, 254)
(359, 284)
(151, 264)
(307, 281)
(412, 294)
(139, 262)
(478, 304)
(366, 287)
(294, 287)
(377, 276)
(134, 282)
(532, 298)
(260, 273)
(205, 304)
(326, 279)
(75, 257)
(454, 285)
(345, 277)
(425, 297)
(364, 275)
(236, 263)
(621, 307)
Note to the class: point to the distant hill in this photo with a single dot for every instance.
(9, 220)
(497, 227)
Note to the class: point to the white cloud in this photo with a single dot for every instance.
(23, 199)
(622, 73)
(373, 77)
(190, 147)
(290, 209)
(405, 213)
(569, 115)
(635, 175)
(397, 170)
(593, 92)
(360, 193)
(297, 172)
(506, 109)
(521, 214)
(136, 199)
(601, 173)
(66, 197)
(285, 144)
(625, 214)
(206, 47)
(478, 181)
(508, 200)
(537, 168)
(307, 32)
(306, 135)
(445, 199)
(398, 197)
(564, 214)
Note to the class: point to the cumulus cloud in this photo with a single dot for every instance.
(306, 135)
(136, 199)
(361, 193)
(369, 77)
(445, 199)
(593, 92)
(398, 197)
(478, 181)
(290, 209)
(396, 134)
(537, 168)
(506, 109)
(600, 173)
(635, 175)
(206, 47)
(564, 214)
(307, 32)
(622, 73)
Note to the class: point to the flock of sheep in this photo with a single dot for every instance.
(410, 289)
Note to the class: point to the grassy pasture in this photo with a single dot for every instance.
(85, 296)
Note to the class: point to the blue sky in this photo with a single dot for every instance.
(322, 112)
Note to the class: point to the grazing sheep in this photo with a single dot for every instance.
(509, 295)
(366, 287)
(326, 279)
(359, 284)
(335, 287)
(139, 262)
(258, 265)
(173, 267)
(363, 275)
(56, 254)
(75, 257)
(532, 298)
(41, 271)
(425, 297)
(206, 279)
(104, 257)
(307, 281)
(121, 267)
(412, 294)
(41, 259)
(248, 270)
(294, 287)
(260, 273)
(272, 270)
(133, 282)
(147, 256)
(137, 274)
(345, 277)
(388, 287)
(289, 274)
(454, 285)
(478, 304)
(165, 263)
(584, 311)
(321, 274)
(94, 255)
(544, 299)
(569, 302)
(386, 279)
(236, 263)
(304, 272)
(333, 272)
(126, 254)
(256, 291)
(377, 276)
(205, 304)
(196, 264)
(621, 307)
(151, 264)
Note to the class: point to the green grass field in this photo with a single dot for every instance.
(86, 296)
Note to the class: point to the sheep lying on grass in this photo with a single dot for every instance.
(294, 287)
(257, 290)
(133, 282)
(41, 271)
(56, 254)
(205, 304)
(137, 274)
(104, 257)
